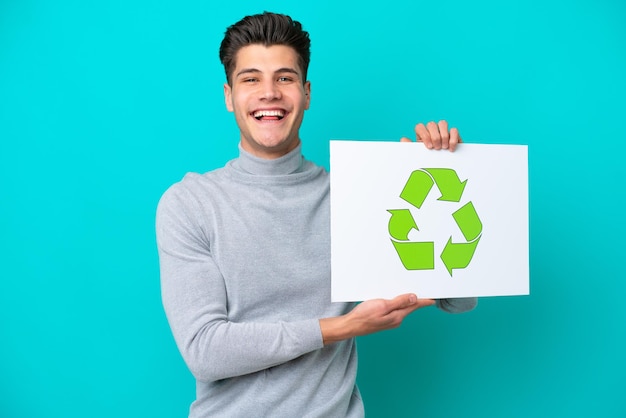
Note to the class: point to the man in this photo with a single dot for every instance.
(245, 250)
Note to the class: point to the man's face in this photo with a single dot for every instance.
(269, 98)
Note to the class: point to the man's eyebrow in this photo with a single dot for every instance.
(247, 71)
(287, 70)
(255, 71)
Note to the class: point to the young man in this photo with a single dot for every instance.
(245, 250)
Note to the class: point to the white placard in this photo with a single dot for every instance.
(402, 220)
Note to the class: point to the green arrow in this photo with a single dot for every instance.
(416, 255)
(401, 223)
(416, 188)
(448, 182)
(468, 221)
(458, 255)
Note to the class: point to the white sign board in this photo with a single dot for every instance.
(438, 224)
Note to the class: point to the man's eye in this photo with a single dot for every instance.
(285, 79)
(250, 80)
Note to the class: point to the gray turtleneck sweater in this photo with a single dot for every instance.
(245, 277)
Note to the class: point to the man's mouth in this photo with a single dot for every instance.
(269, 114)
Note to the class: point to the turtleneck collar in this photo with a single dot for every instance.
(289, 163)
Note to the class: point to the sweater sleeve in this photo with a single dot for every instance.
(195, 302)
(457, 305)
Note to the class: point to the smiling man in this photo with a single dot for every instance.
(268, 94)
(245, 250)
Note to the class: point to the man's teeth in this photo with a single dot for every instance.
(269, 113)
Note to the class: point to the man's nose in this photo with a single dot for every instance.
(270, 91)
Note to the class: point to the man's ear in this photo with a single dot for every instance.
(228, 97)
(307, 94)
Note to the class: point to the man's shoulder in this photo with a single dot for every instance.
(192, 187)
(192, 180)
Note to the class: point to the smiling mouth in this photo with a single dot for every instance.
(269, 114)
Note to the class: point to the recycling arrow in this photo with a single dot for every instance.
(468, 221)
(420, 255)
(401, 223)
(417, 188)
(421, 181)
(449, 184)
(458, 255)
(416, 255)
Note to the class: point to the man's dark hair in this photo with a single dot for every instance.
(266, 29)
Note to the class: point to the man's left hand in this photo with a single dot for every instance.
(436, 135)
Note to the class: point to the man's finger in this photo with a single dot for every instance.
(423, 135)
(445, 135)
(401, 302)
(455, 138)
(400, 313)
(433, 130)
(408, 301)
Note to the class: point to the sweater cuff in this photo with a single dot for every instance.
(312, 335)
(457, 305)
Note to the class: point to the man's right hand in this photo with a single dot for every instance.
(371, 316)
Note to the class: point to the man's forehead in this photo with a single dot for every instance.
(262, 58)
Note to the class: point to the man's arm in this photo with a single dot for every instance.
(371, 316)
(195, 301)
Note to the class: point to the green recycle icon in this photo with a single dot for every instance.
(421, 255)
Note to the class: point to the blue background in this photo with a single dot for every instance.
(103, 105)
